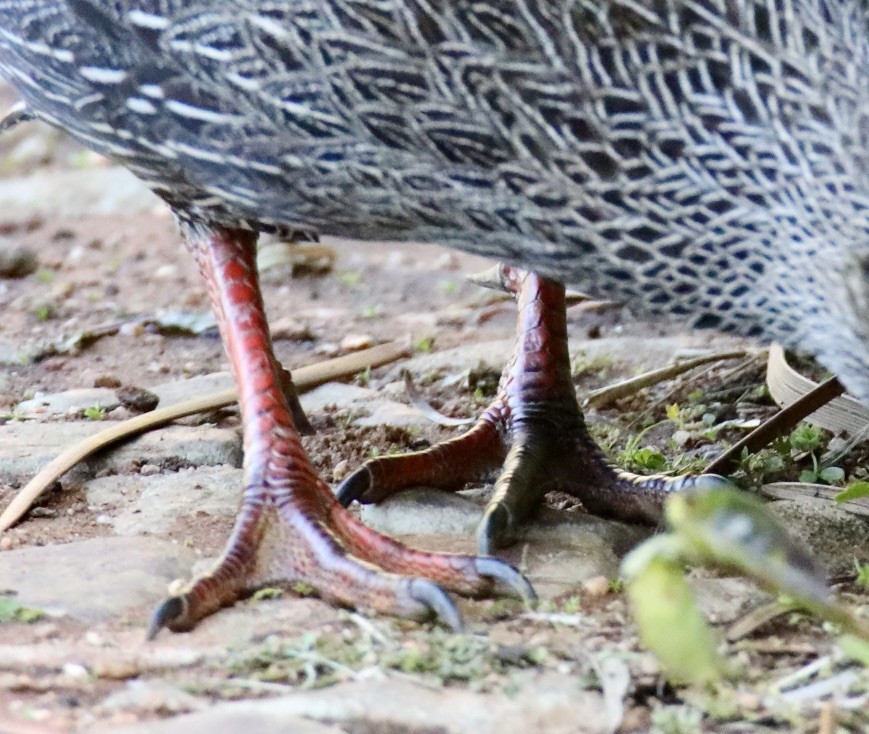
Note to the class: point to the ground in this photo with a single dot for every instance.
(91, 248)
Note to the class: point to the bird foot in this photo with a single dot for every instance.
(534, 430)
(290, 527)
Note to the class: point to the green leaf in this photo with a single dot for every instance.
(671, 624)
(832, 474)
(806, 438)
(853, 492)
(733, 529)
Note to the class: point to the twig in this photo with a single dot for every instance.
(607, 395)
(780, 424)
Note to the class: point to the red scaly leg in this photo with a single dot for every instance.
(535, 427)
(290, 527)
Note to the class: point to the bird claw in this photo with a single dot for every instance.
(354, 487)
(169, 614)
(495, 529)
(506, 576)
(437, 601)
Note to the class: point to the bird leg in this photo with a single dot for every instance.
(534, 429)
(290, 528)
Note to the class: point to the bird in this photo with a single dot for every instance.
(703, 160)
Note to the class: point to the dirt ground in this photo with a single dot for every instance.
(64, 674)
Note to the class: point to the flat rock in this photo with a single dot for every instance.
(137, 504)
(369, 407)
(554, 704)
(96, 579)
(723, 600)
(177, 391)
(152, 696)
(560, 549)
(26, 447)
(836, 537)
(69, 401)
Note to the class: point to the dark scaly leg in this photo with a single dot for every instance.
(290, 527)
(534, 428)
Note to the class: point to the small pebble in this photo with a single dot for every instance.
(92, 638)
(596, 586)
(447, 261)
(107, 381)
(6, 543)
(291, 329)
(137, 399)
(356, 342)
(339, 471)
(135, 329)
(16, 261)
(328, 349)
(75, 670)
(166, 272)
(110, 668)
(149, 470)
(43, 512)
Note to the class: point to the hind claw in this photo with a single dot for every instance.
(353, 487)
(169, 614)
(506, 575)
(434, 598)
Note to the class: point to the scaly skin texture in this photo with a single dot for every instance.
(699, 159)
(290, 527)
(535, 428)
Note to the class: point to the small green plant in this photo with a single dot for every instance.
(350, 278)
(676, 720)
(370, 312)
(268, 592)
(364, 377)
(824, 475)
(862, 571)
(854, 491)
(807, 438)
(424, 345)
(44, 312)
(448, 287)
(13, 611)
(94, 413)
(645, 459)
(300, 588)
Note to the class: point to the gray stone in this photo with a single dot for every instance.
(26, 447)
(152, 696)
(97, 579)
(836, 537)
(368, 407)
(553, 704)
(424, 512)
(177, 391)
(149, 505)
(723, 600)
(560, 550)
(69, 401)
(16, 261)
